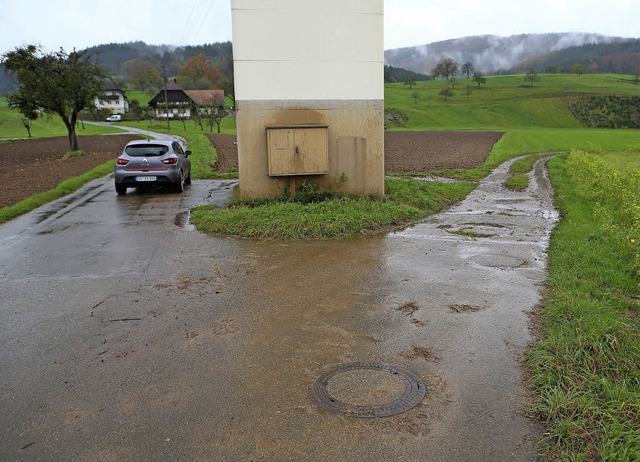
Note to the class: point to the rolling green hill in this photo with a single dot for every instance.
(503, 102)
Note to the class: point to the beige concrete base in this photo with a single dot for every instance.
(355, 145)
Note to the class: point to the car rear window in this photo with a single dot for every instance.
(146, 150)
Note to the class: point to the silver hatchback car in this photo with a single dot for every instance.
(152, 162)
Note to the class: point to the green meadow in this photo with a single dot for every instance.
(504, 102)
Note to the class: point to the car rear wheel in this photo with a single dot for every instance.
(177, 187)
(187, 180)
(121, 190)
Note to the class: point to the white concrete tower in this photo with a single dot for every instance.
(309, 94)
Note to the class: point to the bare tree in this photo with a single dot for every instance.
(27, 123)
(416, 96)
(447, 69)
(468, 69)
(531, 77)
(468, 91)
(214, 116)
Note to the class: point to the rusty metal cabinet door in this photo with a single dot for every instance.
(298, 151)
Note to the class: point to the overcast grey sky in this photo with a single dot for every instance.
(81, 23)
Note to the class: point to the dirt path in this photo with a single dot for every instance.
(28, 167)
(403, 151)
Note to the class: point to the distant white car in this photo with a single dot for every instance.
(114, 118)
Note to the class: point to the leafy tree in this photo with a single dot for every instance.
(411, 81)
(65, 83)
(468, 69)
(446, 92)
(146, 77)
(136, 109)
(229, 91)
(552, 69)
(578, 69)
(479, 79)
(531, 77)
(200, 69)
(416, 96)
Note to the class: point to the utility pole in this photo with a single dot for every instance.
(166, 103)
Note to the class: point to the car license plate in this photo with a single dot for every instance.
(145, 178)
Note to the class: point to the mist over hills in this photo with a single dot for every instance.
(491, 54)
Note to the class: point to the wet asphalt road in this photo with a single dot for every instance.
(127, 335)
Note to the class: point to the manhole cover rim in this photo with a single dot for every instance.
(415, 391)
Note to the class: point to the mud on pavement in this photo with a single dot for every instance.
(206, 349)
(450, 308)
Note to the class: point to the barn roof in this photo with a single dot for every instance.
(206, 97)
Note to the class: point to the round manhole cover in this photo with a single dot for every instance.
(367, 390)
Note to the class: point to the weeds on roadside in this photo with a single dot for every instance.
(586, 365)
(316, 213)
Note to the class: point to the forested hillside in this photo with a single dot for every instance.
(121, 58)
(140, 64)
(610, 58)
(397, 74)
(491, 54)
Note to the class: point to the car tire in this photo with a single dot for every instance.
(178, 186)
(121, 190)
(187, 180)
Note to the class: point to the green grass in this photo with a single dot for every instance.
(44, 127)
(64, 188)
(204, 156)
(520, 141)
(141, 96)
(519, 181)
(503, 103)
(328, 215)
(586, 364)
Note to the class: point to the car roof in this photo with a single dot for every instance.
(152, 141)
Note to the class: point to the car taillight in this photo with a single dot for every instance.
(170, 160)
(122, 161)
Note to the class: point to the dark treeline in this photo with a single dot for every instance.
(397, 74)
(119, 58)
(616, 58)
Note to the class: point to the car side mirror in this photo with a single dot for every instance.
(187, 153)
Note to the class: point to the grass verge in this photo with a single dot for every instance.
(204, 156)
(586, 364)
(519, 179)
(328, 215)
(63, 189)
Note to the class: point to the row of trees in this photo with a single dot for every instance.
(68, 83)
(199, 73)
(449, 70)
